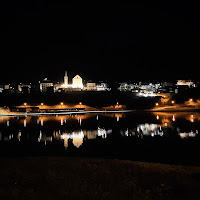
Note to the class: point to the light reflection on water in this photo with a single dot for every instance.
(77, 129)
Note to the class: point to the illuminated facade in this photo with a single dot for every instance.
(188, 83)
(77, 82)
(45, 84)
(66, 78)
(91, 86)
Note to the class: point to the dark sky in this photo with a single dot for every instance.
(147, 40)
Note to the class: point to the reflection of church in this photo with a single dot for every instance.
(78, 136)
(77, 139)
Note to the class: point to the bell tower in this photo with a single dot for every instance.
(66, 78)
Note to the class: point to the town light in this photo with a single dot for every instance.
(191, 100)
(157, 104)
(42, 104)
(173, 101)
(25, 104)
(61, 103)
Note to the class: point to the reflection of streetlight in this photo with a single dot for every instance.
(80, 103)
(192, 118)
(117, 104)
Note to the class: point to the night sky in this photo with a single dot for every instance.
(145, 40)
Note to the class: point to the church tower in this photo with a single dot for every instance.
(66, 78)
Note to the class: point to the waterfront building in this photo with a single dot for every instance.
(7, 87)
(45, 84)
(66, 79)
(127, 86)
(103, 87)
(91, 86)
(77, 82)
(188, 83)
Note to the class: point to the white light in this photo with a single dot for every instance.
(25, 123)
(41, 122)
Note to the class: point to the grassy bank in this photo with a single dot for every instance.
(84, 178)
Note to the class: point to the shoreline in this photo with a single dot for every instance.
(86, 178)
(66, 113)
(99, 111)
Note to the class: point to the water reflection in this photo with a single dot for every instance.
(189, 134)
(79, 129)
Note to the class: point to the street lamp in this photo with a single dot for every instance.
(42, 104)
(173, 101)
(80, 103)
(25, 104)
(157, 104)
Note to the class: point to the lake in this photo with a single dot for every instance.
(160, 137)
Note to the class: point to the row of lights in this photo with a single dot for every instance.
(173, 102)
(174, 119)
(61, 103)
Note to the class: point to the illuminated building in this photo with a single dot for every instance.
(188, 83)
(127, 87)
(77, 82)
(97, 87)
(65, 78)
(91, 86)
(45, 84)
(103, 87)
(1, 88)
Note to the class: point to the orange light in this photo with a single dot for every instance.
(191, 99)
(42, 104)
(80, 103)
(61, 103)
(173, 101)
(157, 104)
(25, 104)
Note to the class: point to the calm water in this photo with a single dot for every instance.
(163, 137)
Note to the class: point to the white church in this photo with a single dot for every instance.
(77, 83)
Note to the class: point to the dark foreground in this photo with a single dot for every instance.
(84, 178)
